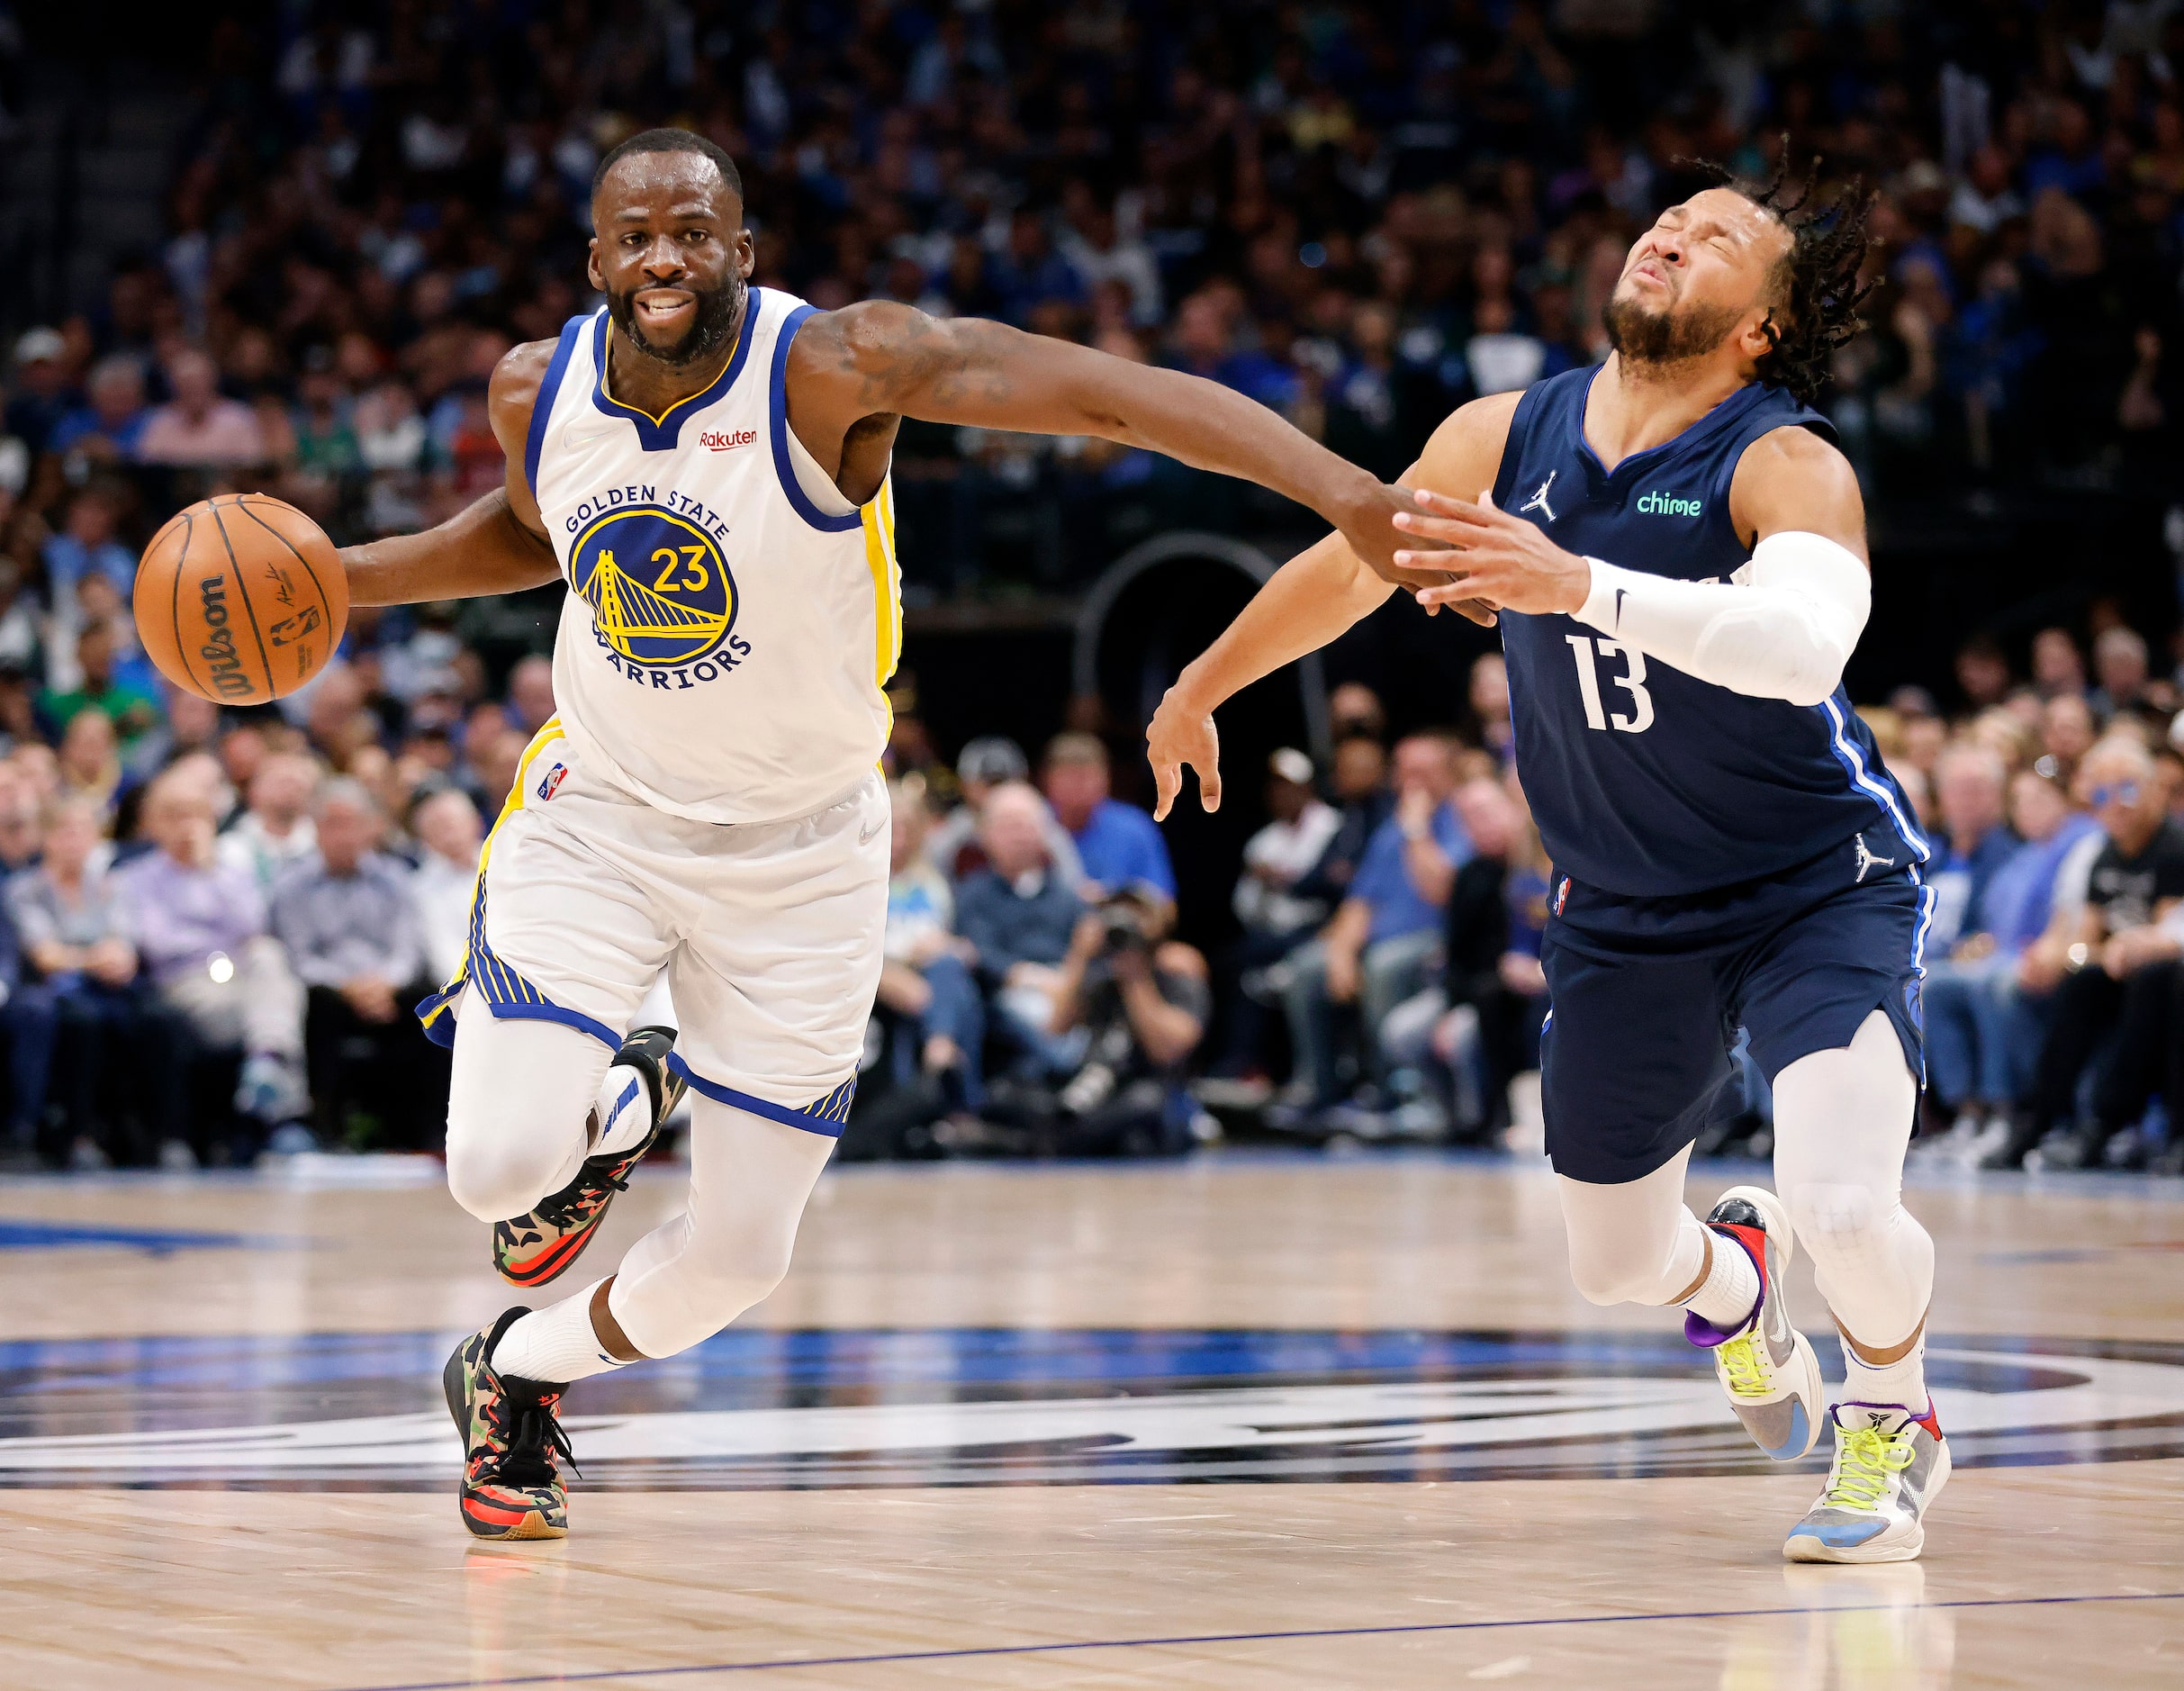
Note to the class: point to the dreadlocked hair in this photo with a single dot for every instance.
(1817, 280)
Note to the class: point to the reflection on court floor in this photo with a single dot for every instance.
(840, 1407)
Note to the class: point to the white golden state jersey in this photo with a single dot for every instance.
(731, 619)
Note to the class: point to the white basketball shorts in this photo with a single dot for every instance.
(770, 932)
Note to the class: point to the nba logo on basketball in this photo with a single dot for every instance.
(551, 782)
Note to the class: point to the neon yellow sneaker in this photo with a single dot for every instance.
(1890, 1465)
(1766, 1366)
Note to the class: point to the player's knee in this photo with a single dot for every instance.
(738, 1266)
(1613, 1273)
(497, 1176)
(1831, 1215)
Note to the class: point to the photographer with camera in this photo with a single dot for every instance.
(1139, 1002)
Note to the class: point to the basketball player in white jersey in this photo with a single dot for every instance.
(705, 463)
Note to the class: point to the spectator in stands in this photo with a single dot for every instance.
(132, 710)
(1982, 672)
(108, 430)
(275, 832)
(90, 761)
(925, 978)
(1018, 915)
(1135, 1002)
(1983, 1028)
(41, 394)
(1274, 917)
(1119, 845)
(531, 692)
(1969, 792)
(1489, 697)
(2058, 665)
(199, 926)
(2067, 732)
(197, 429)
(349, 925)
(2120, 664)
(1354, 712)
(86, 544)
(986, 765)
(81, 1007)
(1365, 801)
(447, 827)
(1385, 935)
(2095, 951)
(21, 836)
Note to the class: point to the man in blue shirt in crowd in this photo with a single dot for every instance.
(1384, 941)
(1119, 845)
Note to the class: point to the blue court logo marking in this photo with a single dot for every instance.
(757, 1410)
(18, 1235)
(659, 588)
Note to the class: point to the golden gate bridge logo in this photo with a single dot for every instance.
(657, 584)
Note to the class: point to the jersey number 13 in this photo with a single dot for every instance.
(1632, 681)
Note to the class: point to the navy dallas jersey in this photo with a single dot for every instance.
(1646, 782)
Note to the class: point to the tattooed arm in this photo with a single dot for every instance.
(855, 373)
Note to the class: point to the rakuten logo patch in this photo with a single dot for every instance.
(717, 440)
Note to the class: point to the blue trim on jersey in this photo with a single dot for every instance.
(664, 433)
(1888, 798)
(826, 1117)
(1928, 899)
(777, 404)
(542, 407)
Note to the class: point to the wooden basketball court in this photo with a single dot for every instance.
(1254, 1421)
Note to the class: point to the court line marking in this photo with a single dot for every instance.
(975, 1652)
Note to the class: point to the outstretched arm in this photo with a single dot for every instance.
(1784, 627)
(881, 360)
(498, 545)
(1311, 599)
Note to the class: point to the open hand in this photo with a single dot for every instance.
(1182, 733)
(1502, 560)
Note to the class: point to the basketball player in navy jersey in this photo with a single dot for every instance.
(1675, 553)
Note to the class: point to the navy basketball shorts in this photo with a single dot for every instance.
(1648, 995)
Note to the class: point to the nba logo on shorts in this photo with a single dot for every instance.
(1562, 895)
(551, 781)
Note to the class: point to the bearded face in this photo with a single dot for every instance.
(1674, 333)
(709, 327)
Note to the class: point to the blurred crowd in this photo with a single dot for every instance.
(1360, 214)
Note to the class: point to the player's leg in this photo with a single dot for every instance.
(520, 1101)
(1832, 1002)
(1633, 1059)
(1842, 1123)
(691, 1277)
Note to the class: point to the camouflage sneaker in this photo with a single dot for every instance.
(1767, 1367)
(512, 1442)
(1890, 1465)
(539, 1247)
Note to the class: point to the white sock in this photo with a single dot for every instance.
(556, 1343)
(1902, 1381)
(624, 1111)
(1725, 1296)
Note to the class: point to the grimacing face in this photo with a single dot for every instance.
(671, 253)
(1700, 276)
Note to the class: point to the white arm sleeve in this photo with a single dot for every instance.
(1782, 627)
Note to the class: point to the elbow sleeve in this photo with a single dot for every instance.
(1784, 627)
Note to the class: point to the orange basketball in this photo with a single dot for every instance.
(240, 599)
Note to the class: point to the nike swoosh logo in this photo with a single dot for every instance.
(865, 836)
(1619, 607)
